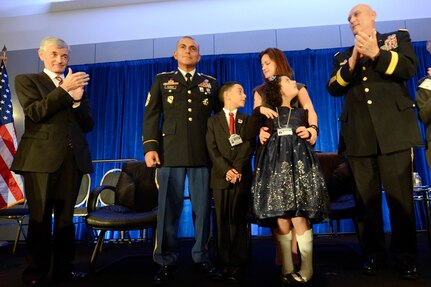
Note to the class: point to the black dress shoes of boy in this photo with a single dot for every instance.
(69, 276)
(164, 275)
(371, 266)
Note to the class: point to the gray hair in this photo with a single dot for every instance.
(52, 41)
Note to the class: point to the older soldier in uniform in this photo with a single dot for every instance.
(174, 128)
(378, 130)
(423, 99)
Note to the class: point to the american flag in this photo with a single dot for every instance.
(11, 185)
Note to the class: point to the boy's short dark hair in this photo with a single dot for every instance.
(226, 87)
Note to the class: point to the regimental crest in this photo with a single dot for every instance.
(170, 99)
(391, 43)
(205, 102)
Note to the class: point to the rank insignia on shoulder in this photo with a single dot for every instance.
(343, 63)
(148, 99)
(336, 54)
(208, 76)
(403, 30)
(166, 73)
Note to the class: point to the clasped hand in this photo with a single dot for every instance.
(74, 84)
(233, 176)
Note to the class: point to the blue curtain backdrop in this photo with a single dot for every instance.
(118, 92)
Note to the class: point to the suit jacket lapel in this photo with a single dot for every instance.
(239, 122)
(46, 81)
(221, 119)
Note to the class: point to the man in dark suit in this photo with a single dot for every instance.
(231, 177)
(423, 99)
(52, 156)
(174, 127)
(378, 130)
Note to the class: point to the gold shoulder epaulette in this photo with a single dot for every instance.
(403, 30)
(208, 76)
(166, 73)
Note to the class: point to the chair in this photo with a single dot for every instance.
(109, 178)
(341, 188)
(81, 201)
(134, 207)
(17, 213)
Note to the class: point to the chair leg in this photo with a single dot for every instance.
(18, 234)
(97, 250)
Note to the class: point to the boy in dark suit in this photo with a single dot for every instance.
(231, 177)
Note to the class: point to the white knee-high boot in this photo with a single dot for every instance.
(285, 241)
(305, 244)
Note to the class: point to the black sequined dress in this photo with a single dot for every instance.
(288, 179)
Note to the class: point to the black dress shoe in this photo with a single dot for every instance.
(163, 275)
(234, 278)
(205, 268)
(32, 282)
(371, 266)
(32, 277)
(70, 276)
(408, 271)
(221, 275)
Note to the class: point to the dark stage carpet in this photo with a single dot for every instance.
(336, 262)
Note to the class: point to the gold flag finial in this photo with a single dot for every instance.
(3, 54)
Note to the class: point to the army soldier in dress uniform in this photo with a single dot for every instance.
(423, 99)
(175, 123)
(378, 130)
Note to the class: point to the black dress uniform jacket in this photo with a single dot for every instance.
(175, 119)
(423, 99)
(377, 111)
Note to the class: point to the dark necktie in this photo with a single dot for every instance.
(231, 124)
(188, 78)
(60, 80)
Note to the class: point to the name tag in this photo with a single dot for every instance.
(235, 140)
(284, 132)
(426, 84)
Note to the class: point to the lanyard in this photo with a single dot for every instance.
(288, 118)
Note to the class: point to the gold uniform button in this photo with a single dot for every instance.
(367, 90)
(189, 100)
(190, 110)
(189, 92)
(363, 68)
(364, 79)
(170, 91)
(163, 134)
(190, 119)
(369, 102)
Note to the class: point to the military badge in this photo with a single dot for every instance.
(148, 99)
(170, 85)
(205, 84)
(205, 102)
(201, 89)
(239, 121)
(170, 99)
(391, 43)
